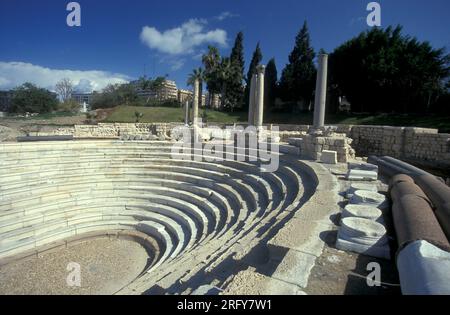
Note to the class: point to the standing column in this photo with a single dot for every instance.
(259, 112)
(195, 103)
(186, 113)
(321, 92)
(251, 103)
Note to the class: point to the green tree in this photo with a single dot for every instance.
(382, 70)
(211, 62)
(270, 85)
(298, 78)
(69, 105)
(148, 84)
(30, 98)
(225, 71)
(115, 95)
(234, 83)
(256, 60)
(126, 94)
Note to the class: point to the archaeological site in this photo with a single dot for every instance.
(331, 177)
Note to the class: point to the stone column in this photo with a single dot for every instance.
(321, 92)
(259, 112)
(186, 113)
(195, 102)
(251, 104)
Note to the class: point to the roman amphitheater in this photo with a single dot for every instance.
(197, 225)
(114, 201)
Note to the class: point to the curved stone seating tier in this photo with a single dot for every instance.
(52, 191)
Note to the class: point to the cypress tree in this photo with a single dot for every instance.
(298, 77)
(234, 87)
(270, 85)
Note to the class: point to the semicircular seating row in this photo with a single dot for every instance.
(51, 191)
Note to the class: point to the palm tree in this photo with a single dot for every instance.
(211, 61)
(144, 83)
(148, 84)
(197, 74)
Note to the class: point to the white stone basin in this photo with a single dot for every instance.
(362, 211)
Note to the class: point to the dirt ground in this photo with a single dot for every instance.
(10, 129)
(344, 273)
(106, 265)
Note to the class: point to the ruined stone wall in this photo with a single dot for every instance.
(377, 140)
(110, 130)
(312, 146)
(414, 144)
(409, 143)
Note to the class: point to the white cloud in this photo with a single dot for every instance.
(13, 74)
(225, 15)
(183, 39)
(84, 85)
(177, 64)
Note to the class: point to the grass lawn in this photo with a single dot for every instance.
(166, 114)
(426, 121)
(169, 114)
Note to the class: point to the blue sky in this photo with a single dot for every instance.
(119, 40)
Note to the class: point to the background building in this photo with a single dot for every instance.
(184, 95)
(81, 98)
(214, 101)
(168, 91)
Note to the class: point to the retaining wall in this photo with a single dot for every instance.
(408, 143)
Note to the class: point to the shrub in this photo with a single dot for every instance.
(29, 98)
(163, 103)
(69, 106)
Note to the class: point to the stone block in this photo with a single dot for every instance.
(363, 166)
(295, 141)
(295, 268)
(362, 175)
(328, 157)
(207, 289)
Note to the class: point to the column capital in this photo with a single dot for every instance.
(261, 69)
